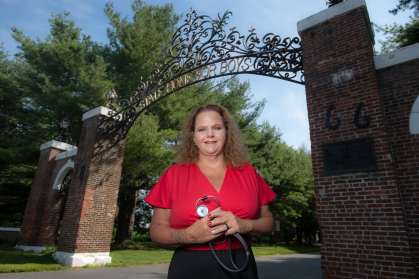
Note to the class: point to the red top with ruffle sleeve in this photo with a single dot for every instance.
(243, 191)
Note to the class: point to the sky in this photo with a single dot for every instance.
(286, 103)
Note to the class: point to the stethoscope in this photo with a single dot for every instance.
(202, 211)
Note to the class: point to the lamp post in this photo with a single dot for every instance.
(333, 2)
(111, 96)
(64, 136)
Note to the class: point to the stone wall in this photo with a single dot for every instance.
(9, 234)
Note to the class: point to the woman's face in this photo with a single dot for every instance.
(210, 133)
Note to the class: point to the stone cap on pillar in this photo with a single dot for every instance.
(94, 112)
(335, 11)
(57, 145)
(396, 57)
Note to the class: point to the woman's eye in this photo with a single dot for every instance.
(201, 130)
(217, 128)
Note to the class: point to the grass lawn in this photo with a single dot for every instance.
(129, 256)
(259, 251)
(13, 260)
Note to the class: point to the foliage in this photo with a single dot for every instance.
(135, 46)
(17, 115)
(220, 22)
(399, 36)
(288, 172)
(67, 75)
(406, 5)
(15, 185)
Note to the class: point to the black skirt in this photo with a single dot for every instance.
(192, 264)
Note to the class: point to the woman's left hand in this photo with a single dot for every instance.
(227, 222)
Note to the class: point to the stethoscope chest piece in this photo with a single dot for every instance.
(202, 211)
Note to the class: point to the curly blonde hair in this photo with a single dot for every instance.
(235, 153)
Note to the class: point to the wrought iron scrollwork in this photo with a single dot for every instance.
(333, 127)
(356, 116)
(63, 191)
(193, 54)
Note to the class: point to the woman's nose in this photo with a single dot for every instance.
(210, 133)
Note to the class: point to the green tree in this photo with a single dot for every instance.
(287, 171)
(146, 157)
(68, 74)
(19, 140)
(135, 46)
(400, 36)
(406, 5)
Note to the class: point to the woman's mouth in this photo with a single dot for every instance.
(210, 142)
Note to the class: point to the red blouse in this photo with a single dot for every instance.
(243, 191)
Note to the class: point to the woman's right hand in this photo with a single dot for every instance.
(162, 232)
(201, 231)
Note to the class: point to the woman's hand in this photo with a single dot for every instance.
(260, 227)
(161, 231)
(202, 232)
(226, 222)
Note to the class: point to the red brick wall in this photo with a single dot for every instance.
(37, 198)
(10, 236)
(399, 88)
(54, 207)
(360, 213)
(90, 208)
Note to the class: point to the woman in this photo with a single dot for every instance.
(211, 163)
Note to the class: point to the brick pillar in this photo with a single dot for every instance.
(55, 203)
(88, 220)
(360, 213)
(37, 202)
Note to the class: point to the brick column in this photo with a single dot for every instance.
(55, 204)
(88, 220)
(360, 213)
(37, 202)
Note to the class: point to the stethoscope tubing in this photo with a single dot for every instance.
(246, 248)
(238, 236)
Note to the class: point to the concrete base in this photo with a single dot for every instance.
(81, 259)
(35, 249)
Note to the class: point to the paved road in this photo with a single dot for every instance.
(301, 266)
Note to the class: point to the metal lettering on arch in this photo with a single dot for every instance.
(200, 50)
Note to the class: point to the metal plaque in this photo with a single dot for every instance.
(349, 156)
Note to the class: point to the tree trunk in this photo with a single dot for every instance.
(127, 200)
(300, 234)
(287, 238)
(310, 242)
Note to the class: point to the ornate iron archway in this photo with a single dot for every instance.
(201, 50)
